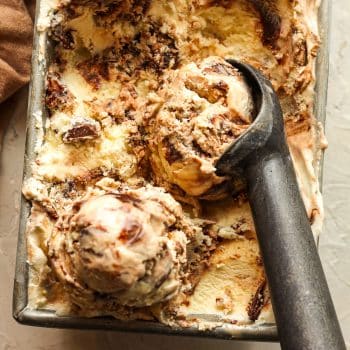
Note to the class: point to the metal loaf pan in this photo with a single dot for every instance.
(45, 318)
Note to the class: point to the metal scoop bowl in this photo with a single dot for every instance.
(301, 301)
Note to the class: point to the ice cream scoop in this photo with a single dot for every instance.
(126, 244)
(302, 304)
(207, 105)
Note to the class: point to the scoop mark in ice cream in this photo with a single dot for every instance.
(269, 16)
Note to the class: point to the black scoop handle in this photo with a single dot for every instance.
(302, 304)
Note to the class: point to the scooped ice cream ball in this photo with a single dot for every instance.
(206, 107)
(126, 245)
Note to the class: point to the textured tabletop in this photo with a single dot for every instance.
(334, 243)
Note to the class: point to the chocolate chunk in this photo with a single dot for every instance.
(92, 252)
(257, 302)
(270, 18)
(150, 49)
(62, 36)
(47, 206)
(301, 52)
(219, 68)
(132, 232)
(57, 96)
(94, 70)
(127, 198)
(82, 129)
(171, 153)
(112, 11)
(212, 92)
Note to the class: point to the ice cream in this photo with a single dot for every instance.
(126, 244)
(139, 95)
(207, 106)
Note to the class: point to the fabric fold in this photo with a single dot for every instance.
(16, 38)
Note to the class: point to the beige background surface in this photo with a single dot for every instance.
(334, 244)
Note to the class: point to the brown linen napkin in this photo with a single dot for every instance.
(15, 46)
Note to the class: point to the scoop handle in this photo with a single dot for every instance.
(302, 304)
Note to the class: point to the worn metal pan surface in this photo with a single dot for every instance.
(45, 318)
